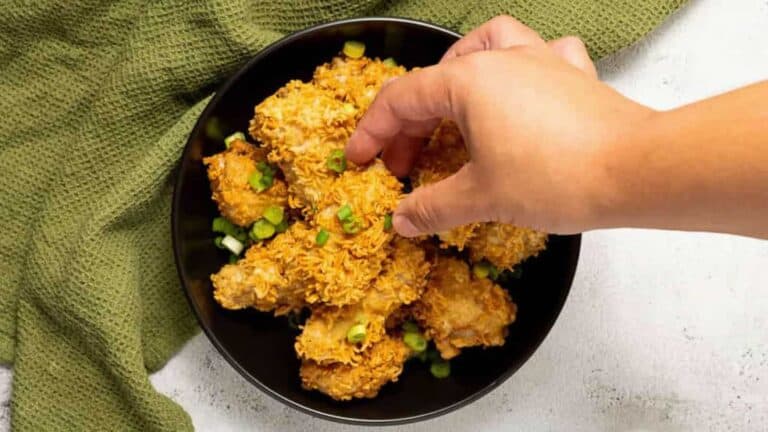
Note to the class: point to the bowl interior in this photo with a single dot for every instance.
(260, 346)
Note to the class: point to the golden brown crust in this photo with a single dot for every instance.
(505, 245)
(370, 277)
(459, 311)
(379, 365)
(229, 172)
(402, 281)
(355, 81)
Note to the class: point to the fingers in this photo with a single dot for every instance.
(406, 107)
(441, 206)
(573, 50)
(500, 32)
(401, 154)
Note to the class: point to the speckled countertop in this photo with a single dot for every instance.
(662, 331)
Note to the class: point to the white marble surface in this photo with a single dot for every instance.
(662, 332)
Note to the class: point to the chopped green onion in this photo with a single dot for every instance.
(221, 225)
(351, 225)
(322, 237)
(410, 327)
(336, 161)
(356, 333)
(232, 258)
(255, 179)
(266, 169)
(440, 369)
(493, 272)
(415, 341)
(217, 242)
(353, 49)
(262, 229)
(282, 226)
(387, 222)
(344, 213)
(481, 269)
(274, 214)
(389, 61)
(234, 245)
(234, 137)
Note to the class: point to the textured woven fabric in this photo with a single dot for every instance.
(97, 99)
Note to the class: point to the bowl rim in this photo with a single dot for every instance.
(176, 200)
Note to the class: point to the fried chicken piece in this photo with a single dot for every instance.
(355, 80)
(301, 124)
(258, 281)
(458, 310)
(442, 156)
(371, 194)
(505, 245)
(402, 281)
(228, 173)
(379, 365)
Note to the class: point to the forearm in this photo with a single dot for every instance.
(702, 167)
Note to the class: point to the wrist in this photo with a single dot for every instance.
(620, 189)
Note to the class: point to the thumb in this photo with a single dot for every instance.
(440, 206)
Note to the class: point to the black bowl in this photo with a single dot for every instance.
(260, 346)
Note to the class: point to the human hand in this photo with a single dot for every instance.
(534, 117)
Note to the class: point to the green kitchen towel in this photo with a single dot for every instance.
(96, 101)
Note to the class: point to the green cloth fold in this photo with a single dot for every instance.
(97, 99)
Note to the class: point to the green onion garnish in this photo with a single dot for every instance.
(282, 226)
(356, 333)
(336, 161)
(344, 213)
(353, 49)
(217, 242)
(440, 369)
(262, 179)
(481, 269)
(232, 258)
(234, 245)
(262, 230)
(389, 61)
(274, 214)
(234, 137)
(223, 226)
(322, 237)
(351, 225)
(415, 341)
(493, 272)
(410, 327)
(387, 222)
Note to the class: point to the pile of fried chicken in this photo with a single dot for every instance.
(368, 276)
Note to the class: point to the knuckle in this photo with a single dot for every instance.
(501, 21)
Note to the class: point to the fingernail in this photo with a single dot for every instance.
(404, 226)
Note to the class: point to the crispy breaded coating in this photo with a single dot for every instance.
(505, 245)
(257, 281)
(355, 80)
(402, 281)
(301, 124)
(381, 364)
(359, 272)
(228, 173)
(372, 194)
(442, 156)
(458, 310)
